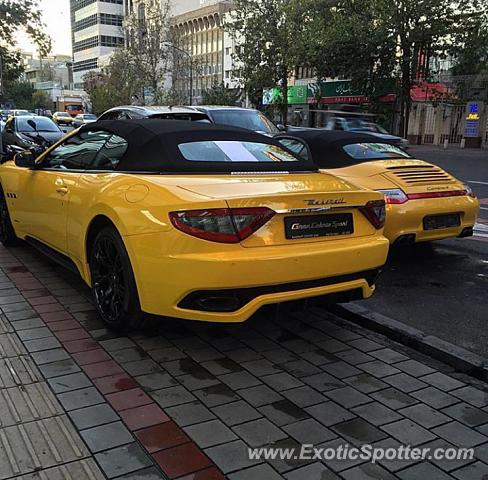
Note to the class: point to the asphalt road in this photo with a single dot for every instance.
(441, 288)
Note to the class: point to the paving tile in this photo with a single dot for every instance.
(30, 323)
(155, 381)
(208, 434)
(219, 366)
(141, 367)
(69, 335)
(304, 396)
(102, 369)
(365, 345)
(167, 354)
(211, 473)
(216, 395)
(189, 413)
(393, 398)
(323, 382)
(86, 468)
(301, 368)
(60, 367)
(144, 416)
(80, 398)
(424, 415)
(198, 381)
(181, 460)
(388, 355)
(396, 464)
(168, 397)
(93, 416)
(259, 472)
(162, 436)
(151, 473)
(336, 464)
(365, 383)
(80, 345)
(347, 397)
(475, 471)
(329, 413)
(408, 432)
(128, 399)
(283, 412)
(309, 431)
(56, 316)
(64, 325)
(359, 432)
(376, 413)
(442, 381)
(472, 395)
(243, 355)
(48, 356)
(230, 456)
(341, 369)
(314, 471)
(404, 382)
(261, 367)
(378, 369)
(446, 465)
(129, 355)
(66, 383)
(320, 357)
(280, 355)
(259, 432)
(121, 460)
(424, 470)
(467, 414)
(204, 354)
(91, 356)
(414, 368)
(238, 380)
(435, 398)
(115, 383)
(354, 356)
(106, 436)
(39, 344)
(460, 435)
(260, 395)
(236, 413)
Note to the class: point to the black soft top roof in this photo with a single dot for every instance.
(326, 145)
(153, 146)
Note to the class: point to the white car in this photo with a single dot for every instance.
(83, 119)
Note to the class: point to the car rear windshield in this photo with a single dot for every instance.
(42, 125)
(234, 151)
(90, 117)
(374, 151)
(250, 120)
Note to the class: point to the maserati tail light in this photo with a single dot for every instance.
(394, 196)
(375, 212)
(223, 225)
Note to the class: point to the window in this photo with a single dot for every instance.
(86, 44)
(249, 119)
(78, 152)
(234, 151)
(85, 65)
(110, 154)
(43, 124)
(296, 146)
(374, 151)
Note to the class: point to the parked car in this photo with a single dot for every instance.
(424, 202)
(20, 132)
(201, 222)
(360, 125)
(83, 119)
(231, 116)
(18, 113)
(62, 118)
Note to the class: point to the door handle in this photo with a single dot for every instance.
(62, 190)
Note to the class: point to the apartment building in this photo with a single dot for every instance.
(96, 27)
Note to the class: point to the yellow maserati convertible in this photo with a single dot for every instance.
(423, 201)
(189, 220)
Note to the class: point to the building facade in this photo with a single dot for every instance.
(96, 27)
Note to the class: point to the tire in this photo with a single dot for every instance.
(113, 284)
(7, 232)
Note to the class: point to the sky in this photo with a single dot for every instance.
(57, 20)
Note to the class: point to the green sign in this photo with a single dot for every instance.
(297, 94)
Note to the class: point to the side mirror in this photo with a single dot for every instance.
(25, 159)
(280, 127)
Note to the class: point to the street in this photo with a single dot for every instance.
(442, 288)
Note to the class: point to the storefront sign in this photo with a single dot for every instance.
(472, 126)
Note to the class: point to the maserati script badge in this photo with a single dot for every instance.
(335, 201)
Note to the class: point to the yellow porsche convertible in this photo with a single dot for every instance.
(189, 220)
(424, 202)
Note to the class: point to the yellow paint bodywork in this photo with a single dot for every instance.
(58, 207)
(407, 218)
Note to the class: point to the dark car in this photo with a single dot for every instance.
(247, 118)
(20, 132)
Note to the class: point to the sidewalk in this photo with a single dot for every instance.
(81, 402)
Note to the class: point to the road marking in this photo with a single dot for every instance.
(480, 231)
(483, 208)
(475, 181)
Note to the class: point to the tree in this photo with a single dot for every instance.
(147, 53)
(221, 95)
(20, 93)
(376, 41)
(270, 34)
(41, 100)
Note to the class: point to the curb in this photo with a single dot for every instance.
(461, 359)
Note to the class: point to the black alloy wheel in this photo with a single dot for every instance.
(7, 232)
(113, 283)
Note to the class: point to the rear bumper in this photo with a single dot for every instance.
(258, 276)
(407, 219)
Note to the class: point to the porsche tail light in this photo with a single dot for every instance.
(223, 225)
(375, 212)
(395, 196)
(447, 193)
